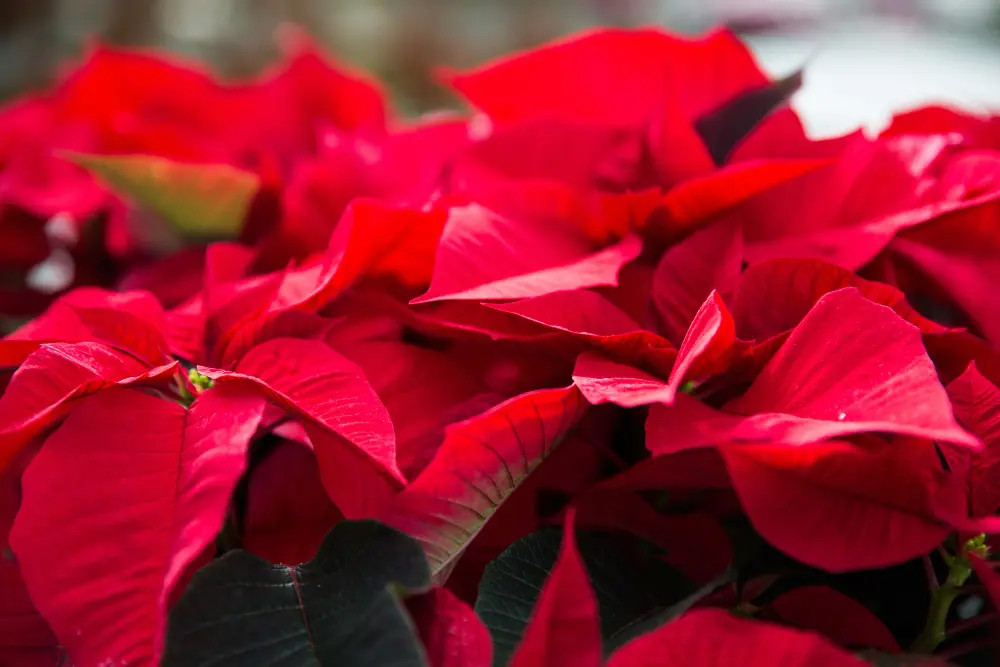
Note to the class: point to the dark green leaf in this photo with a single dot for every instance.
(654, 618)
(724, 127)
(626, 573)
(341, 608)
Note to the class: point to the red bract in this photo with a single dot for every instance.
(149, 475)
(952, 261)
(830, 504)
(849, 221)
(977, 405)
(825, 382)
(308, 382)
(717, 639)
(288, 512)
(108, 106)
(451, 633)
(975, 130)
(348, 425)
(481, 463)
(564, 630)
(834, 615)
(39, 392)
(25, 637)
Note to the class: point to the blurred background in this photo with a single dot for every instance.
(865, 57)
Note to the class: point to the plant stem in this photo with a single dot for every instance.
(942, 597)
(932, 581)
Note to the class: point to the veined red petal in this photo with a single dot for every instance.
(597, 323)
(350, 429)
(56, 373)
(486, 256)
(151, 477)
(841, 507)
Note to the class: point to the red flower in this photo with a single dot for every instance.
(628, 293)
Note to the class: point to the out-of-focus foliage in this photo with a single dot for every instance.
(399, 40)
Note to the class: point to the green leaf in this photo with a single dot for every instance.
(204, 201)
(341, 608)
(654, 618)
(723, 128)
(628, 577)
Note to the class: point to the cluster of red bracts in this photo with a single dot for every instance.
(629, 281)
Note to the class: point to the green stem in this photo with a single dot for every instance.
(959, 571)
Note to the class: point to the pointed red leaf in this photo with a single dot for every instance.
(574, 154)
(832, 504)
(55, 374)
(312, 91)
(569, 78)
(148, 476)
(851, 366)
(687, 424)
(484, 255)
(599, 215)
(774, 296)
(716, 638)
(688, 272)
(372, 241)
(851, 219)
(958, 254)
(234, 305)
(595, 321)
(283, 324)
(226, 264)
(288, 512)
(707, 347)
(350, 429)
(481, 462)
(564, 630)
(705, 197)
(26, 640)
(14, 352)
(601, 380)
(185, 329)
(424, 391)
(132, 322)
(199, 329)
(452, 634)
(693, 469)
(836, 616)
(678, 154)
(936, 119)
(709, 344)
(976, 402)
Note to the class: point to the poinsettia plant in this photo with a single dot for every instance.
(619, 367)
